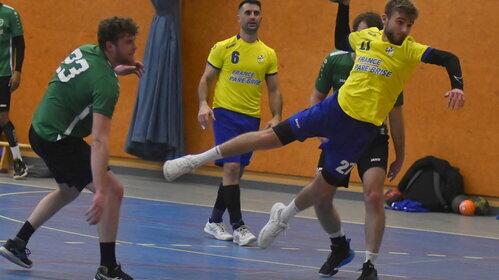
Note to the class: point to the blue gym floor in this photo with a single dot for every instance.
(165, 240)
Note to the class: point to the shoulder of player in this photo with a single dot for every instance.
(8, 7)
(226, 43)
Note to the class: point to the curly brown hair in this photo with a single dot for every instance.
(113, 28)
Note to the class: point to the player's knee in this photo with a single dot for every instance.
(267, 139)
(118, 191)
(68, 194)
(373, 198)
(323, 204)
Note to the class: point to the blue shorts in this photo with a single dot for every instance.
(348, 137)
(229, 124)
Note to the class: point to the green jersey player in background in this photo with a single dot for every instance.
(11, 53)
(80, 101)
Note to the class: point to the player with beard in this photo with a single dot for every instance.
(80, 100)
(242, 64)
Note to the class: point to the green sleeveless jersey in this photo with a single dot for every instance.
(10, 26)
(84, 83)
(334, 72)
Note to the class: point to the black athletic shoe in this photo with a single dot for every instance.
(16, 253)
(20, 169)
(339, 256)
(368, 272)
(103, 273)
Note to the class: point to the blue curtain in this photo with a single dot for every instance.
(156, 130)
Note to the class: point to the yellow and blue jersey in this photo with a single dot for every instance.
(243, 67)
(378, 76)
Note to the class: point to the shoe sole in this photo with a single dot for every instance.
(8, 255)
(261, 231)
(344, 262)
(226, 239)
(17, 177)
(246, 243)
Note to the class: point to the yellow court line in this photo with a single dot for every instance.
(298, 216)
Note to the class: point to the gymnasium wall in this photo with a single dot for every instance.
(302, 34)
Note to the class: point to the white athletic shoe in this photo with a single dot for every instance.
(242, 236)
(273, 227)
(218, 230)
(172, 169)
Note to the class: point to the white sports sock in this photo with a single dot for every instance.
(16, 153)
(289, 212)
(340, 233)
(370, 256)
(210, 155)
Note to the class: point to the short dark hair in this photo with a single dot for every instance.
(113, 28)
(254, 2)
(372, 19)
(402, 6)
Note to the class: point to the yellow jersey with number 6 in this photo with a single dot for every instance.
(243, 67)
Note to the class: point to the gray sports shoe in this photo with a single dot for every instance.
(172, 169)
(273, 227)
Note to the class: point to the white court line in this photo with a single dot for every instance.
(64, 231)
(473, 258)
(28, 192)
(264, 212)
(436, 255)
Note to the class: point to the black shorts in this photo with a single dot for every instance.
(376, 155)
(4, 94)
(68, 159)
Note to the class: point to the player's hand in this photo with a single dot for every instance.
(124, 69)
(14, 81)
(455, 99)
(95, 211)
(394, 169)
(204, 115)
(273, 122)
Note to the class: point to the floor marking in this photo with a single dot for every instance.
(398, 253)
(436, 255)
(473, 258)
(290, 249)
(63, 231)
(217, 246)
(323, 250)
(181, 245)
(74, 242)
(145, 244)
(28, 192)
(264, 212)
(232, 257)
